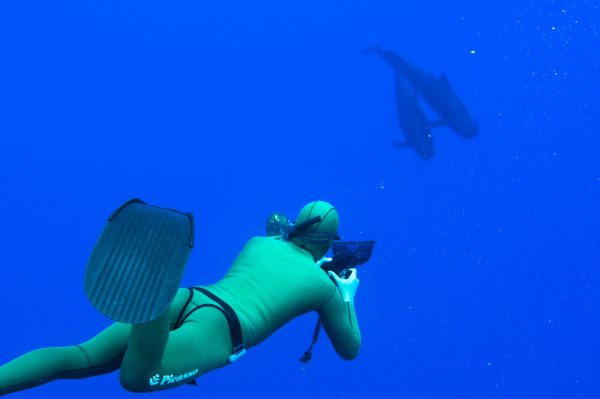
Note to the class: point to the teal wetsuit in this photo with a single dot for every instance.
(270, 283)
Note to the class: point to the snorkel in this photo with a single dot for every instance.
(311, 236)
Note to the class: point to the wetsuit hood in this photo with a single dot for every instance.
(329, 224)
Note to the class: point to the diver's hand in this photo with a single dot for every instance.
(347, 286)
(323, 260)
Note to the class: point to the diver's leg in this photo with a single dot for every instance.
(100, 355)
(157, 360)
(40, 366)
(142, 360)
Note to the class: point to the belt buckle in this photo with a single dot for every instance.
(238, 352)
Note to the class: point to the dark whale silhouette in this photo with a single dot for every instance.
(435, 91)
(411, 118)
(413, 121)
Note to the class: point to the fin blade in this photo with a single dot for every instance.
(415, 96)
(136, 266)
(445, 81)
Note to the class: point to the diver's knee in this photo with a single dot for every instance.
(133, 383)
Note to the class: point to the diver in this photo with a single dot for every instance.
(166, 336)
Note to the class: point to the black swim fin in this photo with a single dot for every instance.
(135, 268)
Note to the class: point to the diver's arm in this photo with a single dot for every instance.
(338, 317)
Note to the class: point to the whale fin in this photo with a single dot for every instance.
(373, 50)
(400, 144)
(445, 81)
(438, 123)
(415, 96)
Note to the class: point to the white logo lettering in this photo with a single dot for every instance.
(170, 379)
(165, 378)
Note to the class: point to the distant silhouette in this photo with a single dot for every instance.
(435, 91)
(411, 118)
(413, 121)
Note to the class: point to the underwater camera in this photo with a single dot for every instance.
(347, 255)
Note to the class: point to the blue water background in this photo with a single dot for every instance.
(484, 278)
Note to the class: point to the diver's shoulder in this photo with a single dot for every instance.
(258, 240)
(273, 245)
(261, 244)
(266, 241)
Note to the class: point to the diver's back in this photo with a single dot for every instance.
(270, 283)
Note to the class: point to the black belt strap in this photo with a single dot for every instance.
(234, 323)
(178, 324)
